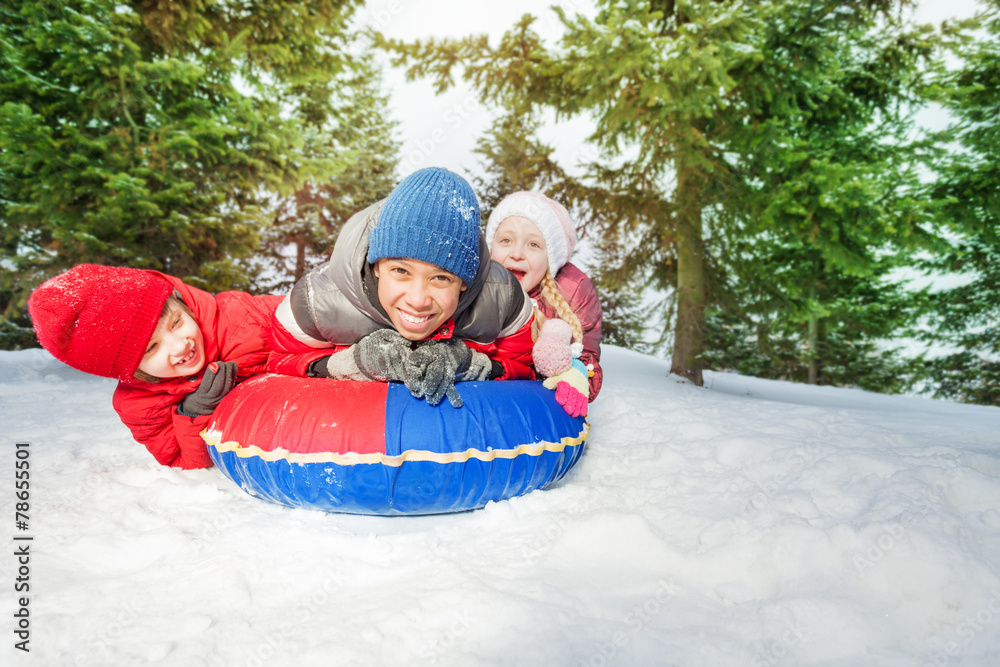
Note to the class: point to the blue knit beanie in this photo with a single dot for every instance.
(433, 216)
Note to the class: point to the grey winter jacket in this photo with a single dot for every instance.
(338, 302)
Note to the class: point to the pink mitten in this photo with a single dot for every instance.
(572, 401)
(552, 353)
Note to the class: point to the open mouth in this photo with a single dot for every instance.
(415, 320)
(518, 273)
(188, 358)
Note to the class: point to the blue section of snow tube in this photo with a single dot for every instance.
(497, 418)
(508, 439)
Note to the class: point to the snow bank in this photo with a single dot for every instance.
(747, 522)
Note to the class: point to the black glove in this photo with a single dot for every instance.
(437, 365)
(219, 378)
(383, 355)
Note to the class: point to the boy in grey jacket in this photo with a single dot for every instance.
(409, 295)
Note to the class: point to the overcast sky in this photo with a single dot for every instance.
(441, 130)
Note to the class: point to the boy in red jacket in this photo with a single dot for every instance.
(175, 350)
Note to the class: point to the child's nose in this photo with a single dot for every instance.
(517, 252)
(418, 296)
(175, 345)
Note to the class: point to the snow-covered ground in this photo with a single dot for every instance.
(749, 522)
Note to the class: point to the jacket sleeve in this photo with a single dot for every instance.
(173, 439)
(512, 352)
(289, 355)
(296, 316)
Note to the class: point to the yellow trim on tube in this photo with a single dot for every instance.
(213, 439)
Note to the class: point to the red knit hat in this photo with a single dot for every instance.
(98, 319)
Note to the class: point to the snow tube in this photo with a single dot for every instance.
(371, 448)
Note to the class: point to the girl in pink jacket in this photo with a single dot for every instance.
(533, 237)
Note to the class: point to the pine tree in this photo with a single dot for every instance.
(515, 159)
(835, 190)
(152, 134)
(702, 102)
(964, 318)
(310, 219)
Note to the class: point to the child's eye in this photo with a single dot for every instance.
(176, 322)
(149, 350)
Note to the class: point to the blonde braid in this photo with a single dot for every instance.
(554, 297)
(537, 322)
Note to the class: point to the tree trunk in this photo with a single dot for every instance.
(300, 258)
(690, 298)
(813, 352)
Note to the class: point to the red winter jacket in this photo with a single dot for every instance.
(582, 297)
(235, 326)
(291, 356)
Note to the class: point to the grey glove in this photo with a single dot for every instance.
(437, 365)
(480, 368)
(218, 380)
(382, 355)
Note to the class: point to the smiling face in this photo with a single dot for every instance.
(177, 346)
(520, 247)
(418, 296)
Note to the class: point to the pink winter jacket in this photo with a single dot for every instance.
(582, 297)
